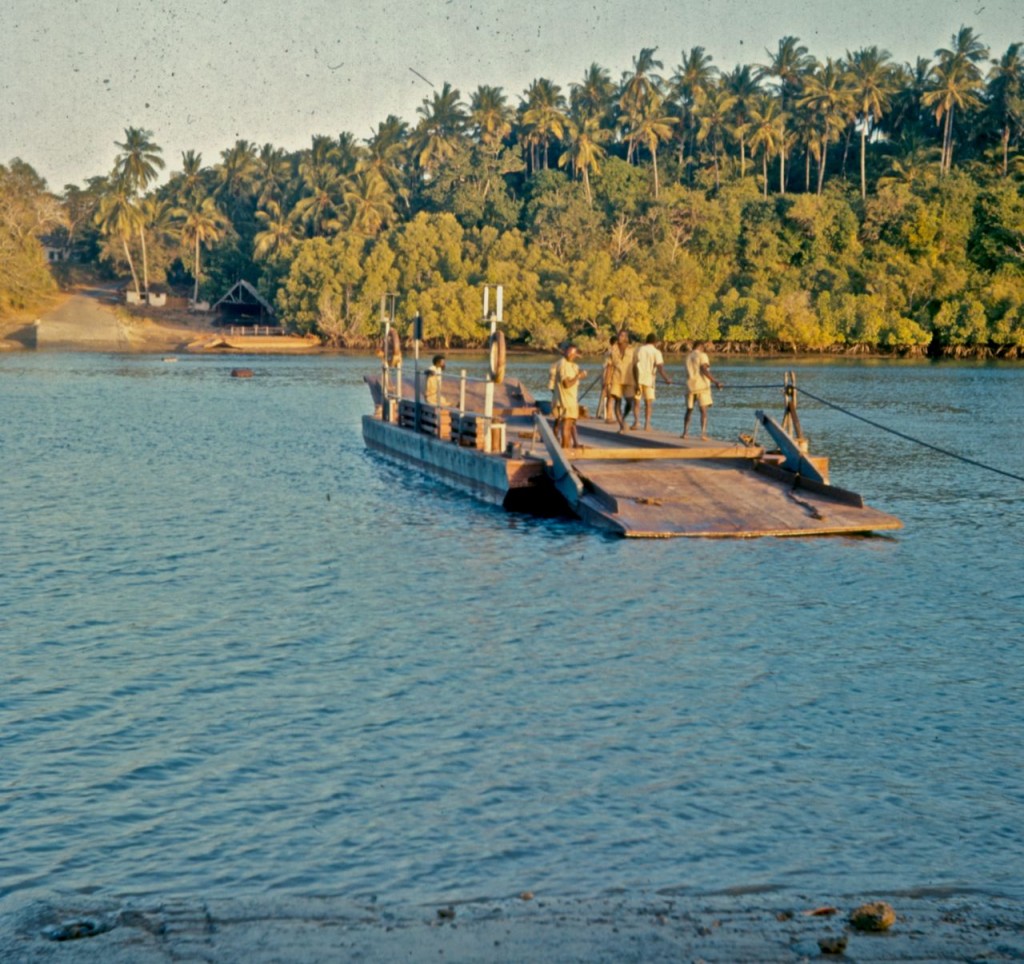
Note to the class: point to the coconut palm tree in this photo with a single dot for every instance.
(743, 87)
(139, 162)
(693, 80)
(276, 235)
(138, 165)
(321, 202)
(713, 114)
(439, 131)
(790, 63)
(1006, 96)
(585, 149)
(653, 126)
(490, 116)
(236, 174)
(202, 223)
(272, 173)
(386, 154)
(828, 94)
(189, 181)
(369, 203)
(594, 96)
(956, 83)
(871, 80)
(767, 131)
(639, 90)
(118, 216)
(542, 119)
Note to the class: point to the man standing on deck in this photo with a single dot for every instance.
(432, 387)
(698, 387)
(567, 385)
(622, 385)
(649, 363)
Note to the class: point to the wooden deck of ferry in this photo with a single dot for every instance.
(656, 485)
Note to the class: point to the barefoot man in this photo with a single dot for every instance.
(649, 363)
(567, 384)
(698, 387)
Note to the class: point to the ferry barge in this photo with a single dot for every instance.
(494, 441)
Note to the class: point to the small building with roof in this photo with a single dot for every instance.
(244, 305)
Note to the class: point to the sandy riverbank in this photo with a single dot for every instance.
(87, 318)
(650, 928)
(730, 928)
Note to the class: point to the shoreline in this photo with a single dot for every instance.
(88, 318)
(659, 928)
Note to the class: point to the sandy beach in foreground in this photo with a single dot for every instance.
(609, 929)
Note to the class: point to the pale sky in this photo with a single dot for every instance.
(200, 74)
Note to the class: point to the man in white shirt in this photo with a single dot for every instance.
(649, 363)
(698, 387)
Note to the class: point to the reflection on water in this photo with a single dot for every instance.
(242, 655)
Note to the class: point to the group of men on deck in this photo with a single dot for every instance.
(628, 379)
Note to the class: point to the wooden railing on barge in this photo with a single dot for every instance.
(468, 430)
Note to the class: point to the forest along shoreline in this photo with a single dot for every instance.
(90, 317)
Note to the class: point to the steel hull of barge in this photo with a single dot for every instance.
(517, 484)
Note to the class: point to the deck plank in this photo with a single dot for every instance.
(714, 498)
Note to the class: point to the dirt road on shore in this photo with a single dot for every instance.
(90, 318)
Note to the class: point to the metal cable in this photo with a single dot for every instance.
(910, 438)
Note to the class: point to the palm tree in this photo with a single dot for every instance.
(714, 114)
(118, 217)
(742, 86)
(639, 89)
(139, 162)
(1006, 96)
(272, 173)
(593, 96)
(789, 64)
(137, 166)
(491, 117)
(543, 119)
(652, 127)
(767, 131)
(386, 152)
(237, 171)
(437, 135)
(369, 203)
(871, 82)
(322, 191)
(957, 79)
(829, 95)
(276, 235)
(694, 78)
(189, 182)
(585, 152)
(202, 223)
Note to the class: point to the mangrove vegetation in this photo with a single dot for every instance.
(856, 204)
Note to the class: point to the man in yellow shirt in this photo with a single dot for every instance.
(432, 386)
(567, 385)
(698, 387)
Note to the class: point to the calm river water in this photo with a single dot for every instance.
(241, 656)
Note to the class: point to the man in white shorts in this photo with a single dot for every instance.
(649, 363)
(698, 387)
